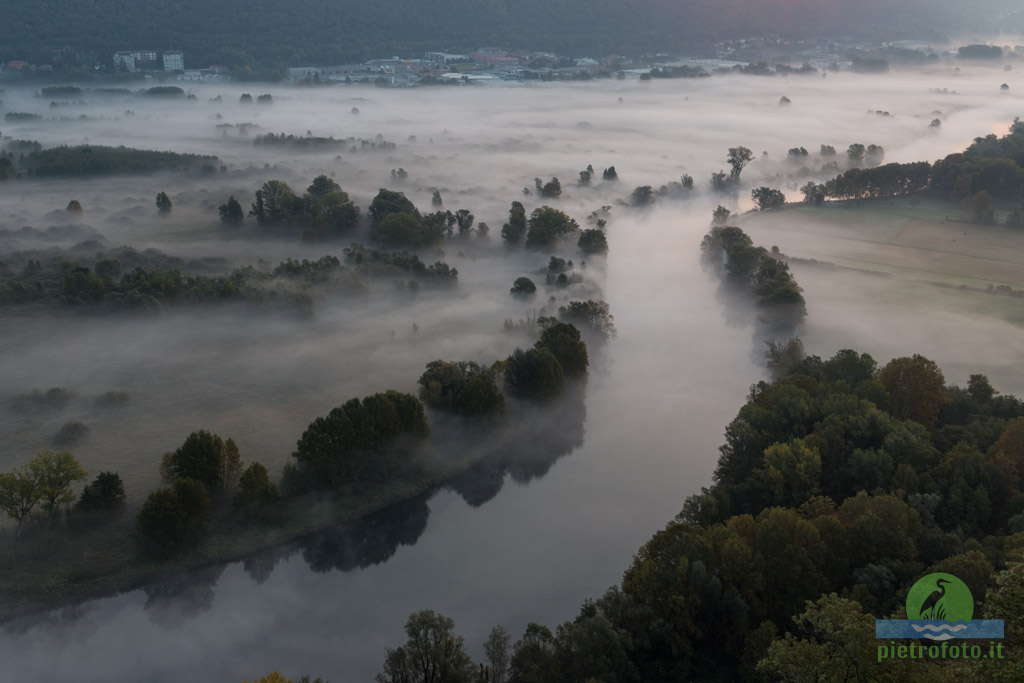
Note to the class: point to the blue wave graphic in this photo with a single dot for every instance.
(938, 630)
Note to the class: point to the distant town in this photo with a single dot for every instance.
(758, 56)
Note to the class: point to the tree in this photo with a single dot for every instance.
(855, 153)
(231, 213)
(549, 190)
(721, 182)
(496, 649)
(332, 213)
(432, 653)
(738, 158)
(720, 216)
(547, 225)
(768, 198)
(813, 193)
(464, 388)
(514, 231)
(347, 445)
(256, 493)
(399, 229)
(53, 475)
(839, 645)
(174, 519)
(610, 174)
(206, 458)
(585, 176)
(464, 219)
(18, 495)
(980, 389)
(642, 196)
(321, 187)
(436, 199)
(74, 206)
(594, 315)
(593, 241)
(104, 494)
(523, 286)
(163, 203)
(534, 657)
(276, 203)
(564, 342)
(790, 475)
(533, 374)
(980, 207)
(916, 387)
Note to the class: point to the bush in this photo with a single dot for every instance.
(174, 519)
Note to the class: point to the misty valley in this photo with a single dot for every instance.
(680, 375)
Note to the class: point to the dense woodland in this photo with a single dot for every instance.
(839, 484)
(29, 158)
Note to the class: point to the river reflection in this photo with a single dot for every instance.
(556, 430)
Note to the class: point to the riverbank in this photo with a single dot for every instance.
(64, 566)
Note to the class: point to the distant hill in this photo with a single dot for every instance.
(265, 33)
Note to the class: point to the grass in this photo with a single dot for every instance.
(917, 238)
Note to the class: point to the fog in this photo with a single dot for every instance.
(654, 408)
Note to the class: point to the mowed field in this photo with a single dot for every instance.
(922, 249)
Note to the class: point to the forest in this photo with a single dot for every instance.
(840, 482)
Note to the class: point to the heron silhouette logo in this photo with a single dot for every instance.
(939, 607)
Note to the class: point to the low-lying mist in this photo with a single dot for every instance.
(658, 398)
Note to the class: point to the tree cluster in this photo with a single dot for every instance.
(764, 274)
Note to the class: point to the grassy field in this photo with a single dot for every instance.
(926, 242)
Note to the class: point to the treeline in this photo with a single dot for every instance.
(763, 274)
(992, 168)
(109, 285)
(325, 211)
(96, 160)
(313, 143)
(839, 485)
(363, 447)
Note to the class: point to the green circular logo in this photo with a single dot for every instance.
(940, 597)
